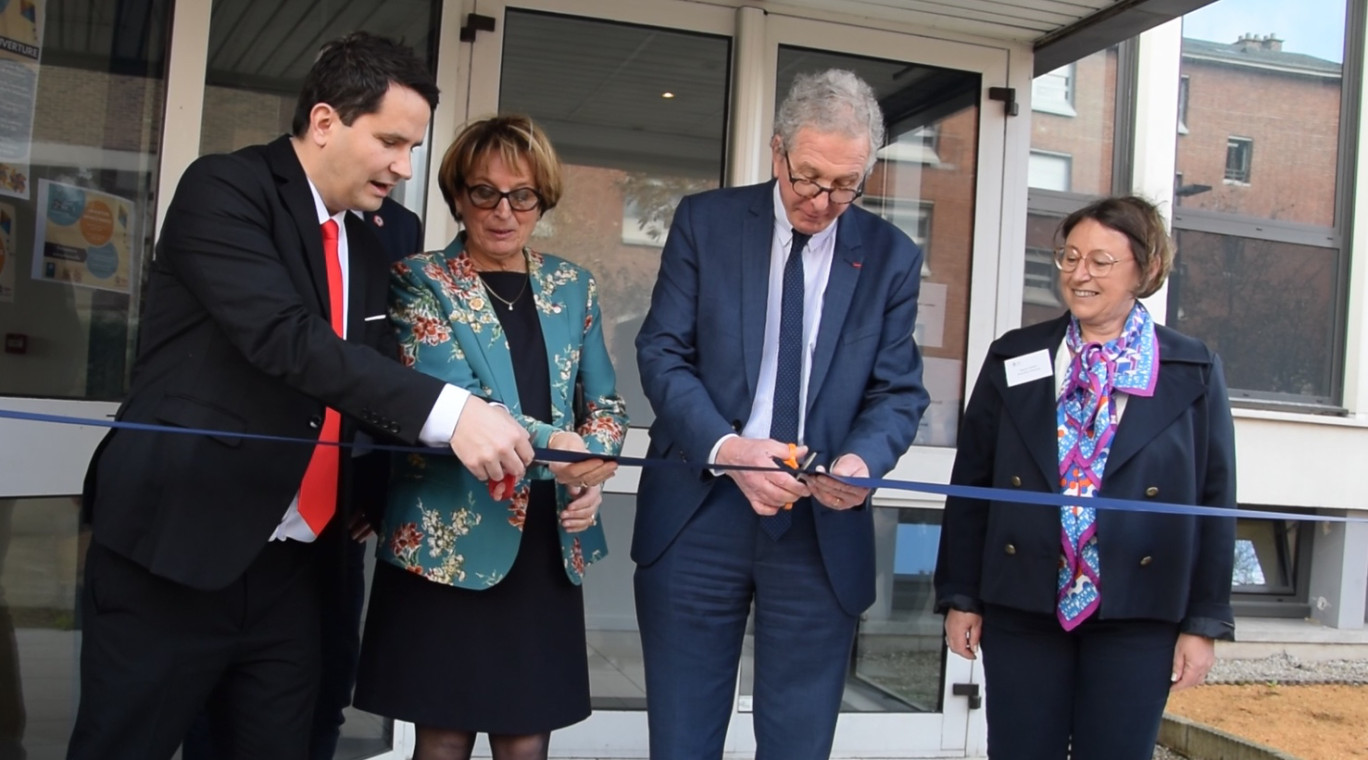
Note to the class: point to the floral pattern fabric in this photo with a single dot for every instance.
(1086, 419)
(440, 521)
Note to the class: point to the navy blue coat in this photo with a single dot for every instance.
(699, 355)
(1175, 446)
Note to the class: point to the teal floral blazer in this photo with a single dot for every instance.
(440, 521)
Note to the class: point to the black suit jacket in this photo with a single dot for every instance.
(235, 338)
(1176, 446)
(400, 231)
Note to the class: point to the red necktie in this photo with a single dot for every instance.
(318, 492)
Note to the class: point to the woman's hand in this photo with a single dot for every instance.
(588, 473)
(1193, 657)
(962, 630)
(582, 511)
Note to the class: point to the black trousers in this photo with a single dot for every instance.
(1099, 689)
(339, 646)
(154, 653)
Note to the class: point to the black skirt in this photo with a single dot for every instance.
(510, 659)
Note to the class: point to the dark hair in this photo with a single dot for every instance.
(353, 73)
(511, 136)
(1140, 222)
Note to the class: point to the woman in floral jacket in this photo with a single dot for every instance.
(476, 618)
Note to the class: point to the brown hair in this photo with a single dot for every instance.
(1140, 222)
(513, 137)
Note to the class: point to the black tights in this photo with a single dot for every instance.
(441, 744)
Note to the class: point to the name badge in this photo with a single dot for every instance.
(1032, 366)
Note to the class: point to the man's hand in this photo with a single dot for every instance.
(588, 473)
(962, 631)
(582, 512)
(1193, 656)
(767, 492)
(835, 494)
(489, 442)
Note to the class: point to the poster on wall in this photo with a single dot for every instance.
(83, 237)
(8, 261)
(20, 49)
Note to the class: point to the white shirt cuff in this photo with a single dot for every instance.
(441, 421)
(712, 455)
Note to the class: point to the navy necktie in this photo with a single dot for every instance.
(788, 371)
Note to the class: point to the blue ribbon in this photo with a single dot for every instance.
(556, 455)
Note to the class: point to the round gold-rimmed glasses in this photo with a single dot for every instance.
(1098, 264)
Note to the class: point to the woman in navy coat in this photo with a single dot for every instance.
(1089, 618)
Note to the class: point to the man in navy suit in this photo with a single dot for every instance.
(825, 298)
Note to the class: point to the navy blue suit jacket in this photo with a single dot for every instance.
(699, 355)
(1175, 446)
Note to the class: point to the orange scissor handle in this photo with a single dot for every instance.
(792, 461)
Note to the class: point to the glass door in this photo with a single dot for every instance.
(634, 98)
(665, 99)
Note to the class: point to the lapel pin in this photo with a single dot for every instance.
(379, 222)
(856, 264)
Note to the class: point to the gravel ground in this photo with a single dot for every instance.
(1284, 668)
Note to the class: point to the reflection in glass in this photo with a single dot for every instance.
(630, 153)
(40, 551)
(922, 182)
(1266, 307)
(1073, 115)
(1272, 163)
(1265, 556)
(77, 190)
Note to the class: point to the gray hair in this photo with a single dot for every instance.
(834, 100)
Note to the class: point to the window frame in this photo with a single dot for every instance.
(1242, 148)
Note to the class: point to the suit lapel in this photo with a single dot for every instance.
(487, 350)
(360, 252)
(1031, 406)
(556, 334)
(299, 202)
(757, 239)
(1180, 383)
(845, 273)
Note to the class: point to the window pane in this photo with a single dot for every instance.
(40, 553)
(1041, 300)
(630, 153)
(1266, 307)
(81, 119)
(1246, 90)
(1072, 122)
(1265, 556)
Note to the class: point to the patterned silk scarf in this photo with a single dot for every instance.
(1087, 423)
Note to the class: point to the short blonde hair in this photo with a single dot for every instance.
(513, 137)
(1141, 223)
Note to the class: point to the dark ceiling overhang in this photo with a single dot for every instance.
(1121, 21)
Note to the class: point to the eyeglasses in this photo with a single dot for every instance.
(519, 198)
(806, 188)
(1098, 263)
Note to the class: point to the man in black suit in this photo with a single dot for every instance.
(400, 232)
(265, 315)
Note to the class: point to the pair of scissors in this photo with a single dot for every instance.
(795, 468)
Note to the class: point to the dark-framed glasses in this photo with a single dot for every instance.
(806, 188)
(519, 198)
(1098, 263)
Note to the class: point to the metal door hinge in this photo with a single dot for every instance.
(476, 23)
(1008, 97)
(970, 690)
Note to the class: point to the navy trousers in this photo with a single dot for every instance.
(1100, 688)
(692, 605)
